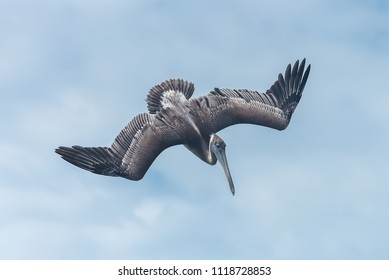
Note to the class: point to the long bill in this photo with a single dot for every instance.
(222, 158)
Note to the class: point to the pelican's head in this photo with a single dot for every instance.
(218, 148)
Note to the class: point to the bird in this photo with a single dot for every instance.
(173, 118)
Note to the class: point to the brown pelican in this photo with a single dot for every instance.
(174, 119)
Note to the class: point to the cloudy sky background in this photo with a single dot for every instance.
(76, 71)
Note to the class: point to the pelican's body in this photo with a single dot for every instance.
(174, 119)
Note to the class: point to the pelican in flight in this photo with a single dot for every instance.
(173, 119)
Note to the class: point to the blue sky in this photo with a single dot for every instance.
(76, 71)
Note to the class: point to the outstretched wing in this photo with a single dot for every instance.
(274, 109)
(141, 141)
(132, 152)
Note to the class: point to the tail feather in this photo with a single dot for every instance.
(156, 94)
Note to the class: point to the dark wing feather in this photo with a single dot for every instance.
(273, 109)
(132, 152)
(145, 146)
(99, 160)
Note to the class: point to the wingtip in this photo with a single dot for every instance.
(59, 149)
(302, 65)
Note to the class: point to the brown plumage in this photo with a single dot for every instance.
(174, 119)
